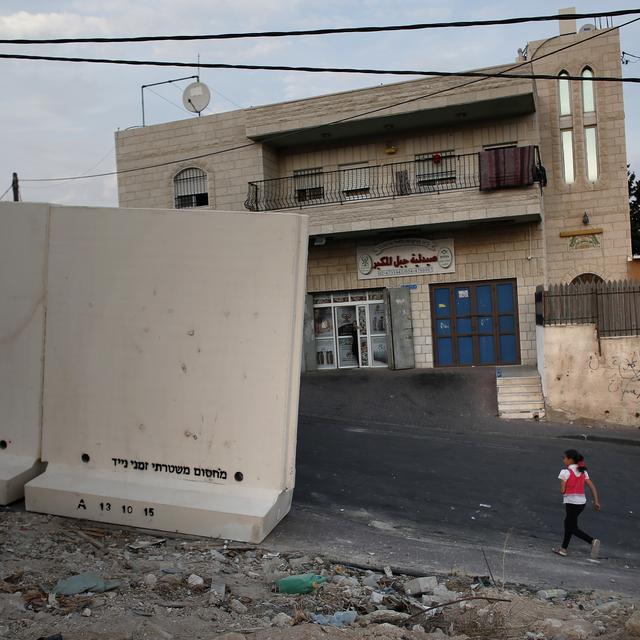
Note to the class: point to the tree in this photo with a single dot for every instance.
(634, 210)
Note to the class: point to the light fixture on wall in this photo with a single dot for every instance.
(390, 148)
(585, 218)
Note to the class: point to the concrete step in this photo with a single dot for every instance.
(521, 396)
(510, 407)
(522, 415)
(515, 381)
(519, 388)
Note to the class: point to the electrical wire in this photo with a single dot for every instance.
(7, 191)
(331, 123)
(304, 69)
(171, 102)
(327, 31)
(625, 55)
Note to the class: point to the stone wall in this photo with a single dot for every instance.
(581, 382)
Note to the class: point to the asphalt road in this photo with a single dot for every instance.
(397, 461)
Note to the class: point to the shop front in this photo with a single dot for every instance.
(350, 329)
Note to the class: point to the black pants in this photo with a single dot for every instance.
(571, 525)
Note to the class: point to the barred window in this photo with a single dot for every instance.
(190, 189)
(308, 184)
(435, 169)
(355, 181)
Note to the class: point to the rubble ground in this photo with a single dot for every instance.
(177, 588)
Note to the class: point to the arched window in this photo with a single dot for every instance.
(588, 98)
(190, 188)
(587, 278)
(564, 90)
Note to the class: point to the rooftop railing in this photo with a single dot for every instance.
(431, 173)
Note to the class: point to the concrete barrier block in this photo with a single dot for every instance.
(23, 259)
(172, 369)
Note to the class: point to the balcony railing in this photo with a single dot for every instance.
(431, 173)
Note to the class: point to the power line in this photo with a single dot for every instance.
(7, 191)
(327, 31)
(304, 69)
(171, 102)
(331, 123)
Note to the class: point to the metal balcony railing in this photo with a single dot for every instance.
(431, 173)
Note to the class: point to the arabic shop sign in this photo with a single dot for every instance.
(406, 257)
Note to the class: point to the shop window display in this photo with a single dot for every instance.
(350, 329)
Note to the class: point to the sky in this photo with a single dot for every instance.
(59, 119)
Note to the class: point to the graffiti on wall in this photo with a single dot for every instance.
(622, 374)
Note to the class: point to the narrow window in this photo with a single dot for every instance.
(591, 149)
(435, 170)
(588, 100)
(190, 189)
(565, 94)
(308, 184)
(567, 156)
(355, 180)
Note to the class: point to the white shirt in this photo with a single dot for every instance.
(573, 498)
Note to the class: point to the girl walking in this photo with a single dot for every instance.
(573, 478)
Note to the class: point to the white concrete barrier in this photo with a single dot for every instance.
(172, 369)
(23, 259)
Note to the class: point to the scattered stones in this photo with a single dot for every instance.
(299, 564)
(607, 608)
(419, 586)
(633, 625)
(371, 579)
(162, 595)
(150, 580)
(282, 620)
(345, 581)
(218, 591)
(195, 580)
(552, 594)
(238, 607)
(383, 615)
(439, 595)
(12, 608)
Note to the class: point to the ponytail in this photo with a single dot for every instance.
(577, 458)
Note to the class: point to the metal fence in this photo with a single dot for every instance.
(614, 307)
(428, 173)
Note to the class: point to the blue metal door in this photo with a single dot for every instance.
(475, 323)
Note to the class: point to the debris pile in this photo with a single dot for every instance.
(70, 580)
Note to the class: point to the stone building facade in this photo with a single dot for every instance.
(436, 206)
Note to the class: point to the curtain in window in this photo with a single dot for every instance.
(506, 167)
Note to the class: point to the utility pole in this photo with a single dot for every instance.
(16, 187)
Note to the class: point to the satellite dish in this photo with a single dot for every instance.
(585, 28)
(196, 97)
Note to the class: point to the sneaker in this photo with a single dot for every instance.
(561, 552)
(595, 548)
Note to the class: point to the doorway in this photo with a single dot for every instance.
(475, 323)
(350, 329)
